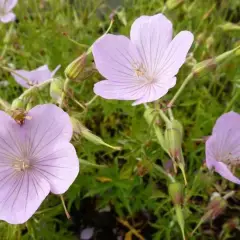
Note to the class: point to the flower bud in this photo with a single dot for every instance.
(211, 63)
(216, 207)
(80, 129)
(56, 89)
(173, 138)
(74, 69)
(18, 104)
(231, 224)
(176, 192)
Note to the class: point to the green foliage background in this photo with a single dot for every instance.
(41, 35)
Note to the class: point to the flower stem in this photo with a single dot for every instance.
(64, 207)
(92, 100)
(5, 105)
(170, 113)
(162, 171)
(184, 84)
(109, 28)
(164, 116)
(132, 229)
(33, 88)
(235, 97)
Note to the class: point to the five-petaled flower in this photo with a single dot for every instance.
(36, 158)
(34, 77)
(223, 147)
(143, 68)
(6, 14)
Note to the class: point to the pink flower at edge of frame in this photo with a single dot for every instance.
(36, 158)
(223, 147)
(6, 14)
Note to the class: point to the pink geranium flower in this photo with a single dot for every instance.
(36, 158)
(6, 14)
(223, 147)
(141, 68)
(34, 77)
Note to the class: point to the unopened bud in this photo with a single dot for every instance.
(216, 207)
(74, 69)
(80, 130)
(231, 224)
(173, 138)
(176, 192)
(30, 105)
(56, 89)
(172, 4)
(211, 63)
(18, 104)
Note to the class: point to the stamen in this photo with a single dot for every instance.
(139, 69)
(21, 164)
(231, 161)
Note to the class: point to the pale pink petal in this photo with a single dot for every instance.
(55, 70)
(59, 165)
(10, 147)
(41, 74)
(21, 194)
(119, 90)
(223, 170)
(26, 74)
(152, 92)
(223, 146)
(48, 125)
(8, 17)
(115, 58)
(175, 55)
(10, 4)
(151, 35)
(34, 77)
(227, 121)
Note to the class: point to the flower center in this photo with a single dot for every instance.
(21, 164)
(231, 160)
(142, 73)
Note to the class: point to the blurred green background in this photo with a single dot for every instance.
(129, 193)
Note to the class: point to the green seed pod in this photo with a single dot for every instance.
(56, 89)
(74, 69)
(176, 192)
(173, 138)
